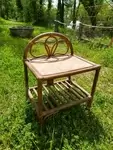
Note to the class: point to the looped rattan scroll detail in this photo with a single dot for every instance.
(51, 46)
(53, 43)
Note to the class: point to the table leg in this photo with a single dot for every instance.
(40, 107)
(50, 82)
(26, 80)
(93, 87)
(69, 79)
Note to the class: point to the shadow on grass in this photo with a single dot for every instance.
(72, 127)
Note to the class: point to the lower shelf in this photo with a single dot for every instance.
(58, 96)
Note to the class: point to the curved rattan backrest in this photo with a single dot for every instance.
(50, 42)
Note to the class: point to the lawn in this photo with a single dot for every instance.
(75, 129)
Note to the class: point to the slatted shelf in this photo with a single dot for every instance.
(58, 96)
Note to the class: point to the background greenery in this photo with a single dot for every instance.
(74, 129)
(43, 12)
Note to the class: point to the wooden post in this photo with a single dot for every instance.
(56, 27)
(80, 30)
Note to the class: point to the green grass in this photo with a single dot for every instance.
(75, 129)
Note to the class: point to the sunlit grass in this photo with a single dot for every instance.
(74, 129)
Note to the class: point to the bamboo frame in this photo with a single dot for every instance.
(53, 96)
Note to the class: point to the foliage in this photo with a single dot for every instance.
(42, 12)
(34, 11)
(92, 9)
(4, 8)
(73, 129)
(106, 15)
(103, 19)
(19, 4)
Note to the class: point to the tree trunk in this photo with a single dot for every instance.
(49, 5)
(49, 12)
(90, 6)
(58, 16)
(62, 12)
(58, 10)
(74, 14)
(34, 9)
(19, 4)
(40, 14)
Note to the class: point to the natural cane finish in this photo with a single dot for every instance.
(57, 62)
